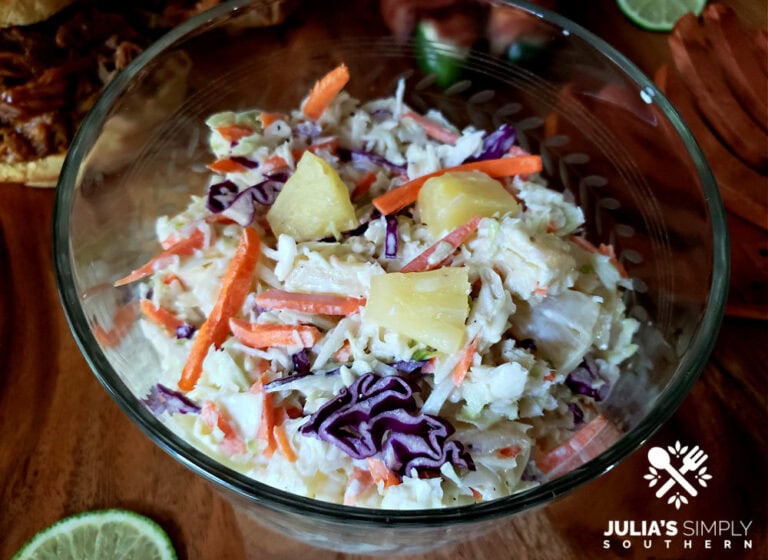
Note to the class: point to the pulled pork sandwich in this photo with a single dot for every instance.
(56, 56)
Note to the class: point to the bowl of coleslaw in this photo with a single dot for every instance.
(386, 290)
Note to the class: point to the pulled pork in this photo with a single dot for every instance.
(52, 72)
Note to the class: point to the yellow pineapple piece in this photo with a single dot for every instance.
(454, 198)
(429, 307)
(313, 203)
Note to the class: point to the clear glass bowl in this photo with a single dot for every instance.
(606, 135)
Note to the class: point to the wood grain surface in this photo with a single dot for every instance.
(65, 447)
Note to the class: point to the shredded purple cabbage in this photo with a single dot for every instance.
(380, 115)
(379, 415)
(272, 385)
(185, 331)
(220, 196)
(408, 366)
(496, 144)
(162, 399)
(578, 414)
(586, 380)
(308, 128)
(301, 361)
(245, 162)
(368, 158)
(391, 240)
(225, 199)
(280, 176)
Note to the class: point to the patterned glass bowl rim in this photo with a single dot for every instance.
(687, 372)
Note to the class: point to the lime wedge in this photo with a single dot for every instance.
(97, 535)
(659, 15)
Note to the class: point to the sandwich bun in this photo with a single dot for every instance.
(27, 12)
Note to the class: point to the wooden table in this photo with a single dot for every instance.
(65, 446)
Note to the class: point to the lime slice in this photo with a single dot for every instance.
(439, 56)
(659, 15)
(97, 535)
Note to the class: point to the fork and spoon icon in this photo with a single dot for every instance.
(659, 458)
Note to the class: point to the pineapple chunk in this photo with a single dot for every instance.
(429, 307)
(313, 203)
(450, 200)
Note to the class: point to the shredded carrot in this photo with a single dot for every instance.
(583, 243)
(607, 250)
(170, 278)
(180, 248)
(381, 473)
(576, 447)
(551, 228)
(323, 304)
(550, 376)
(234, 289)
(234, 132)
(324, 91)
(218, 219)
(359, 482)
(406, 194)
(232, 444)
(160, 316)
(462, 367)
(274, 162)
(344, 353)
(330, 145)
(508, 452)
(433, 130)
(122, 320)
(363, 185)
(283, 444)
(540, 290)
(422, 262)
(227, 165)
(476, 494)
(267, 119)
(429, 367)
(266, 336)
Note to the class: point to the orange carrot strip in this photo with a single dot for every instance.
(266, 427)
(429, 367)
(359, 482)
(607, 250)
(121, 321)
(234, 132)
(508, 452)
(462, 367)
(380, 472)
(331, 145)
(434, 130)
(232, 444)
(583, 243)
(550, 376)
(324, 91)
(476, 494)
(169, 279)
(160, 316)
(343, 353)
(266, 336)
(283, 444)
(324, 304)
(267, 119)
(274, 162)
(576, 446)
(363, 185)
(407, 193)
(180, 248)
(234, 289)
(222, 166)
(455, 238)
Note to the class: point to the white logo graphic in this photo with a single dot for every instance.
(692, 461)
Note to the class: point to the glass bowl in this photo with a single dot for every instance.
(607, 136)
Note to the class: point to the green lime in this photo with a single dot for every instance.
(438, 55)
(97, 535)
(659, 15)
